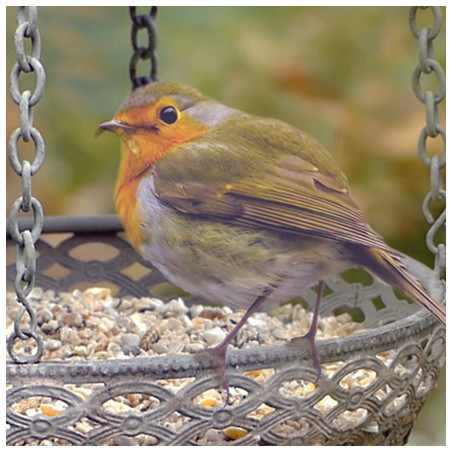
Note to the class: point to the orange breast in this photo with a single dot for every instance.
(152, 146)
(126, 201)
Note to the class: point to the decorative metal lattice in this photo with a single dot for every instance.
(374, 385)
(88, 231)
(379, 413)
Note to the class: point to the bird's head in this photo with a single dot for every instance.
(158, 117)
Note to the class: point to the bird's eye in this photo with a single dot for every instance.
(168, 115)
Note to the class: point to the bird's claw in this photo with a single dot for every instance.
(219, 353)
(310, 338)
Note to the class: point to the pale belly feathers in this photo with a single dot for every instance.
(228, 264)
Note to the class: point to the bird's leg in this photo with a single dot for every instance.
(219, 351)
(310, 335)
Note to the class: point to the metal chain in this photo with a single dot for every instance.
(140, 22)
(27, 18)
(433, 129)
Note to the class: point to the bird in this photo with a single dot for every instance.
(242, 210)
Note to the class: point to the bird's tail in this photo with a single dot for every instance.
(388, 267)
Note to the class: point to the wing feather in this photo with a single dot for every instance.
(288, 183)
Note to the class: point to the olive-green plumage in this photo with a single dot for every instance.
(239, 208)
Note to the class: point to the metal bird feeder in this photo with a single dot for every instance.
(376, 380)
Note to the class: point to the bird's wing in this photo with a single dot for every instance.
(273, 177)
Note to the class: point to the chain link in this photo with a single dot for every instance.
(27, 17)
(433, 129)
(143, 22)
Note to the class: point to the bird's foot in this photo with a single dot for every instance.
(310, 338)
(219, 353)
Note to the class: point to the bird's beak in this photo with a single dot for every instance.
(121, 129)
(114, 125)
(108, 125)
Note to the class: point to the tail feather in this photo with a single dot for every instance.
(388, 267)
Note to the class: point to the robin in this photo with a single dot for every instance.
(243, 210)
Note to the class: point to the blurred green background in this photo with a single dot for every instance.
(343, 74)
